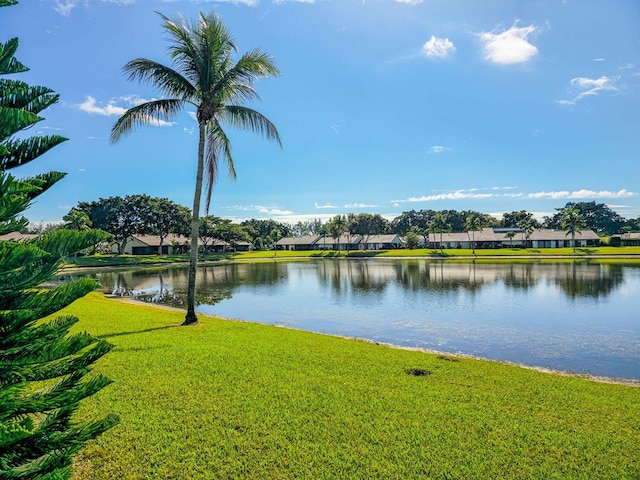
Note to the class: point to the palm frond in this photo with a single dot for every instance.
(164, 78)
(146, 114)
(218, 145)
(248, 119)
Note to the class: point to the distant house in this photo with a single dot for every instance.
(149, 244)
(381, 242)
(307, 242)
(17, 236)
(631, 239)
(500, 238)
(343, 242)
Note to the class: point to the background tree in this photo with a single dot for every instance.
(473, 223)
(207, 230)
(527, 226)
(512, 219)
(572, 222)
(77, 220)
(597, 216)
(43, 368)
(421, 233)
(274, 237)
(204, 76)
(337, 227)
(230, 233)
(262, 228)
(510, 236)
(367, 224)
(121, 217)
(166, 217)
(412, 239)
(440, 224)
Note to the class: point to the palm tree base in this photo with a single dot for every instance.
(190, 319)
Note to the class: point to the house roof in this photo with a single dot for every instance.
(389, 238)
(305, 240)
(17, 236)
(628, 236)
(499, 235)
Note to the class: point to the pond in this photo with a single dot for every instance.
(575, 316)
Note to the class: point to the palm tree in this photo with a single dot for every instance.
(527, 227)
(473, 223)
(204, 76)
(440, 223)
(510, 236)
(571, 222)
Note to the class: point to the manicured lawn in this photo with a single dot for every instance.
(229, 399)
(123, 260)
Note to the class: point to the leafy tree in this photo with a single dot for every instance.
(597, 216)
(43, 368)
(512, 219)
(572, 222)
(205, 76)
(421, 232)
(412, 239)
(122, 217)
(165, 217)
(229, 232)
(367, 224)
(403, 223)
(207, 230)
(77, 220)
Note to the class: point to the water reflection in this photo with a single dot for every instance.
(572, 316)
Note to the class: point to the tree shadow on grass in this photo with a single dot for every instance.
(136, 331)
(586, 251)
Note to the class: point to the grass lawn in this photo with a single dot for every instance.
(595, 252)
(230, 399)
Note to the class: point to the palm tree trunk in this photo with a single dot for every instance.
(195, 227)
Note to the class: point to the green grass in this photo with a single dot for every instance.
(230, 399)
(595, 252)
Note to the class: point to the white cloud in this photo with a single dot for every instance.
(326, 205)
(583, 193)
(509, 46)
(111, 109)
(90, 106)
(359, 205)
(598, 59)
(475, 193)
(294, 1)
(409, 2)
(64, 7)
(583, 87)
(438, 149)
(438, 47)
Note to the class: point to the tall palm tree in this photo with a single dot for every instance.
(440, 223)
(203, 75)
(571, 222)
(472, 223)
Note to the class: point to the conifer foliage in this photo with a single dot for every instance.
(44, 370)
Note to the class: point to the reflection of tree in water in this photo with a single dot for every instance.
(169, 286)
(521, 276)
(590, 280)
(439, 277)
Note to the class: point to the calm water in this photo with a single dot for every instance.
(578, 317)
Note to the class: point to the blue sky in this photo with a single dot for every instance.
(383, 106)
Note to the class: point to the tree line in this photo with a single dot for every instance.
(142, 214)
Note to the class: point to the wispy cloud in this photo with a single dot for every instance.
(326, 205)
(90, 105)
(260, 209)
(337, 126)
(438, 47)
(499, 192)
(582, 194)
(64, 7)
(359, 205)
(509, 47)
(438, 149)
(582, 87)
(409, 2)
(294, 1)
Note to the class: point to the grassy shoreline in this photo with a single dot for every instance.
(230, 399)
(623, 254)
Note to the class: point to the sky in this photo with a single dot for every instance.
(383, 106)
